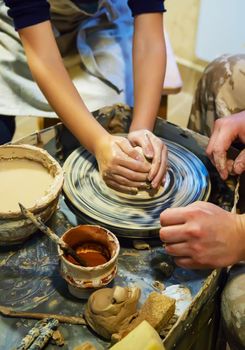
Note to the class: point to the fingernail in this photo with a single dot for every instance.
(230, 167)
(149, 178)
(223, 176)
(154, 184)
(239, 167)
(149, 154)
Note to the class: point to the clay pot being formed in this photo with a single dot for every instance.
(33, 178)
(99, 248)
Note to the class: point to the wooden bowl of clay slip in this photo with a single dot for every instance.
(30, 176)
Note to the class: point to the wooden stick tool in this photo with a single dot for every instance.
(56, 239)
(5, 311)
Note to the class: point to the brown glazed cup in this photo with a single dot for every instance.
(84, 280)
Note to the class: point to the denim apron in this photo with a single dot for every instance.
(95, 41)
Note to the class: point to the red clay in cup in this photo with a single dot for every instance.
(93, 254)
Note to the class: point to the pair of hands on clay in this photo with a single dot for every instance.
(203, 235)
(120, 165)
(124, 168)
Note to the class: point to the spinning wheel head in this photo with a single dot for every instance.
(187, 180)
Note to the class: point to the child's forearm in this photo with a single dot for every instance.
(149, 60)
(48, 70)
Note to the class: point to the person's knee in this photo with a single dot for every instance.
(221, 69)
(219, 93)
(233, 308)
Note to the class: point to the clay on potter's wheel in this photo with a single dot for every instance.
(143, 193)
(187, 180)
(109, 310)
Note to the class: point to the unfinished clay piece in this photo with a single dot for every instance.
(112, 312)
(146, 192)
(111, 309)
(141, 245)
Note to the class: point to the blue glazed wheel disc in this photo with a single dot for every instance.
(187, 181)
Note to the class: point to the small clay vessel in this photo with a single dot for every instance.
(99, 249)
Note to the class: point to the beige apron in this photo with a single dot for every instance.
(95, 42)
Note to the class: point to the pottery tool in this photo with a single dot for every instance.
(5, 311)
(32, 334)
(45, 229)
(39, 335)
(187, 180)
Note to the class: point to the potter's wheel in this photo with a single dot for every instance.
(187, 180)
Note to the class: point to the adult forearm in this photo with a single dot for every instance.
(149, 61)
(50, 74)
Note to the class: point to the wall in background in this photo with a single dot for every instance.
(220, 30)
(181, 21)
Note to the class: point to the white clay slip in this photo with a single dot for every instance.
(30, 176)
(22, 181)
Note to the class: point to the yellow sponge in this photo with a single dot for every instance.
(143, 337)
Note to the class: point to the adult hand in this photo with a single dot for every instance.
(202, 235)
(153, 149)
(226, 130)
(121, 166)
